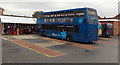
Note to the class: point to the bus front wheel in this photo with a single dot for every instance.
(69, 38)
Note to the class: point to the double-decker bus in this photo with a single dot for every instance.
(80, 24)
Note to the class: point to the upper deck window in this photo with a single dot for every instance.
(69, 14)
(92, 13)
(79, 13)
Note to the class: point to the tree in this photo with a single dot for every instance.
(35, 15)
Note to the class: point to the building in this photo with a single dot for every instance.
(12, 24)
(15, 24)
(115, 21)
(1, 11)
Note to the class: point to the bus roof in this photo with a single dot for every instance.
(63, 10)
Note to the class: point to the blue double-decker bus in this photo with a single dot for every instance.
(80, 24)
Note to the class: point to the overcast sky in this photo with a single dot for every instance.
(108, 8)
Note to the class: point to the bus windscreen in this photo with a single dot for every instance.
(92, 13)
(109, 25)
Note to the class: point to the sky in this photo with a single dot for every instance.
(105, 8)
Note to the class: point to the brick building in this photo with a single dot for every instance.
(1, 11)
(115, 21)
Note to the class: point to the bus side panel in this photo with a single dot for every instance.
(81, 36)
(83, 33)
(55, 34)
(40, 20)
(92, 32)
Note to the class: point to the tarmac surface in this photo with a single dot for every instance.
(38, 49)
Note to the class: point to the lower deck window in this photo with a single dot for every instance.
(55, 27)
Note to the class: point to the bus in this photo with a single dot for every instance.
(105, 29)
(80, 24)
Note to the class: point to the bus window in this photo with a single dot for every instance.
(45, 20)
(53, 27)
(109, 25)
(55, 15)
(70, 14)
(69, 28)
(45, 15)
(61, 14)
(44, 26)
(58, 15)
(60, 27)
(71, 20)
(48, 15)
(92, 13)
(50, 27)
(79, 13)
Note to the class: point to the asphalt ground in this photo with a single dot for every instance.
(38, 49)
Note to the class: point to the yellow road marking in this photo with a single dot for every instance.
(38, 51)
(4, 38)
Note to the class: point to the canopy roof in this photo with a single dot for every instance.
(22, 20)
(108, 20)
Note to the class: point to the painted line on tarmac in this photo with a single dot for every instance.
(89, 47)
(38, 49)
(108, 39)
(104, 42)
(5, 38)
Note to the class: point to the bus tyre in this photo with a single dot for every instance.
(44, 33)
(69, 38)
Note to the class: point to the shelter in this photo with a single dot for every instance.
(17, 24)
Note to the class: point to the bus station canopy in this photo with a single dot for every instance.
(22, 20)
(108, 20)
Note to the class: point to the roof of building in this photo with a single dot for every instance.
(22, 20)
(108, 20)
(117, 16)
(1, 9)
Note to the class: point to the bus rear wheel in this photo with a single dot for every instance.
(69, 38)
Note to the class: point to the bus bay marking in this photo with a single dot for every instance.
(103, 42)
(38, 49)
(90, 47)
